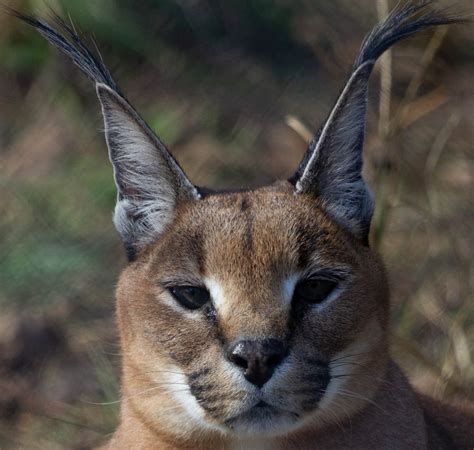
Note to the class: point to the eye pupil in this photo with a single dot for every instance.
(314, 291)
(191, 297)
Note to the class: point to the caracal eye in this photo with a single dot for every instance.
(190, 297)
(313, 291)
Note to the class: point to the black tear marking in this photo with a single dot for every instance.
(198, 373)
(245, 204)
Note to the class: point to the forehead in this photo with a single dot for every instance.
(255, 232)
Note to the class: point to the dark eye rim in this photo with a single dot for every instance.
(187, 301)
(334, 284)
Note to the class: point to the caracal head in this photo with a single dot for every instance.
(267, 268)
(256, 312)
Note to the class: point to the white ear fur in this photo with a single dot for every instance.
(149, 181)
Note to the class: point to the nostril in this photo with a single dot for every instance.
(239, 361)
(239, 354)
(274, 360)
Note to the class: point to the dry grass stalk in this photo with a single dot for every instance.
(415, 83)
(422, 106)
(440, 142)
(299, 128)
(385, 78)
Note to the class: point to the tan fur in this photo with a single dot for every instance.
(249, 241)
(330, 383)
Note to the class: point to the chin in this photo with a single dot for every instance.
(263, 420)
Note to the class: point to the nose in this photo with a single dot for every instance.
(258, 358)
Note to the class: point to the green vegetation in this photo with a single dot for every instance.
(215, 80)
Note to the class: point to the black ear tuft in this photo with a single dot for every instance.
(67, 40)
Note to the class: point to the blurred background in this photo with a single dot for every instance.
(233, 88)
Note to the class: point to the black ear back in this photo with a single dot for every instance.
(149, 181)
(332, 166)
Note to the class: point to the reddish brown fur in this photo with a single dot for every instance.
(250, 241)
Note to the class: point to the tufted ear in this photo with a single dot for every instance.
(331, 168)
(150, 183)
(334, 168)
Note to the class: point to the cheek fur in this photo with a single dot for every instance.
(150, 317)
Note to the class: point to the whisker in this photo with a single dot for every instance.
(346, 363)
(154, 388)
(179, 390)
(159, 371)
(335, 419)
(166, 371)
(349, 356)
(146, 378)
(351, 394)
(347, 375)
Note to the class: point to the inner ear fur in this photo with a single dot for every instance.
(149, 181)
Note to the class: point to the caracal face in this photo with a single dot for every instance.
(251, 251)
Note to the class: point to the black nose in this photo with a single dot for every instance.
(258, 358)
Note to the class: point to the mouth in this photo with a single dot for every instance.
(262, 419)
(264, 412)
(262, 404)
(263, 409)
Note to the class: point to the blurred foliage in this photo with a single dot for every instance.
(215, 80)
